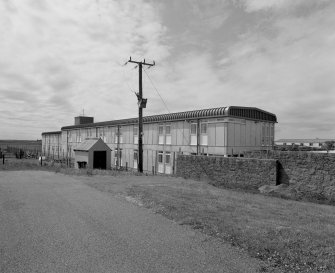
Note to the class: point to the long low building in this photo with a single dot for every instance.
(222, 131)
(305, 142)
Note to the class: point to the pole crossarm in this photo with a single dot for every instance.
(142, 63)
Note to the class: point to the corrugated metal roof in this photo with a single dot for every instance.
(231, 111)
(87, 144)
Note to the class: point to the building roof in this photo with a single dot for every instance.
(50, 133)
(231, 111)
(304, 140)
(88, 144)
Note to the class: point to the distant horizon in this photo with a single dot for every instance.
(2, 140)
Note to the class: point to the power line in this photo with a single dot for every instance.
(184, 137)
(125, 77)
(157, 91)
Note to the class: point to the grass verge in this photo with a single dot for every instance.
(289, 235)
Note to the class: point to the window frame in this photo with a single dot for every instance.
(160, 159)
(204, 125)
(167, 155)
(194, 125)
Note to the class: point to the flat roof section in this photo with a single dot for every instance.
(54, 132)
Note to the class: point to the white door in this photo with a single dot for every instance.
(168, 169)
(160, 162)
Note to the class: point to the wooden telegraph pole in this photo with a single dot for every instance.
(141, 104)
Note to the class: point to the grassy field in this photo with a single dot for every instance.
(20, 164)
(288, 235)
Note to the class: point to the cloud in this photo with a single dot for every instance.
(290, 74)
(59, 57)
(62, 56)
(279, 5)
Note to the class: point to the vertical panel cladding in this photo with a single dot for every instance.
(187, 133)
(220, 135)
(253, 134)
(177, 130)
(231, 135)
(243, 135)
(211, 134)
(145, 134)
(155, 133)
(147, 158)
(183, 135)
(258, 126)
(174, 129)
(237, 135)
(127, 133)
(148, 133)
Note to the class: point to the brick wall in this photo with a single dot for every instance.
(229, 172)
(307, 172)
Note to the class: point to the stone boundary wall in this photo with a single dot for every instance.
(229, 172)
(307, 172)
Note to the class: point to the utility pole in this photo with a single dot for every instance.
(141, 104)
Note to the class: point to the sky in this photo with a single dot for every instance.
(63, 58)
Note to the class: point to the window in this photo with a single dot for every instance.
(101, 133)
(135, 135)
(160, 157)
(168, 168)
(203, 128)
(89, 132)
(78, 136)
(108, 135)
(203, 136)
(160, 134)
(194, 140)
(193, 129)
(167, 157)
(160, 162)
(120, 137)
(168, 129)
(168, 134)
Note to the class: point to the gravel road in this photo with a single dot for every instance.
(56, 223)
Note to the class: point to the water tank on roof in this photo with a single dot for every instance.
(83, 120)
